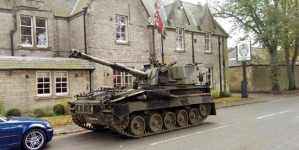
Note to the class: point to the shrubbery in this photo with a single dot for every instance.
(66, 107)
(217, 94)
(58, 109)
(2, 109)
(29, 114)
(48, 111)
(38, 112)
(14, 112)
(224, 94)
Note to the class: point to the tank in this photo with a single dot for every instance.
(162, 98)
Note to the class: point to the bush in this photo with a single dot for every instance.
(2, 109)
(48, 111)
(215, 94)
(58, 109)
(66, 106)
(38, 112)
(30, 114)
(14, 112)
(224, 94)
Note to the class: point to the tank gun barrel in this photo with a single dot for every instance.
(77, 54)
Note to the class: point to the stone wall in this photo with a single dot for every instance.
(6, 19)
(19, 91)
(259, 78)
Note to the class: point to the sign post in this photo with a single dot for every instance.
(244, 55)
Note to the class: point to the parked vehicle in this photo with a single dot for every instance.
(163, 98)
(24, 133)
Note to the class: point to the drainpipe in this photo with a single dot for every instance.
(85, 43)
(224, 65)
(14, 30)
(219, 43)
(192, 34)
(84, 24)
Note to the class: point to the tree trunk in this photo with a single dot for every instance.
(274, 68)
(289, 67)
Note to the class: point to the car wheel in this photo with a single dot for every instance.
(34, 139)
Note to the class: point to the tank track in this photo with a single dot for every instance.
(128, 135)
(121, 126)
(125, 133)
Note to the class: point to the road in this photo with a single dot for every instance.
(271, 125)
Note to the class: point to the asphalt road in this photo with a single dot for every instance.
(271, 125)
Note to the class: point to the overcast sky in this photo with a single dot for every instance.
(224, 23)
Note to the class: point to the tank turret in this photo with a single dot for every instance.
(163, 98)
(154, 74)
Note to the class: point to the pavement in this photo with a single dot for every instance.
(252, 98)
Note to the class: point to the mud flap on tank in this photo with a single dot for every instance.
(213, 109)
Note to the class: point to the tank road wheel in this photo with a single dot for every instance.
(193, 116)
(155, 123)
(137, 125)
(182, 118)
(169, 120)
(205, 109)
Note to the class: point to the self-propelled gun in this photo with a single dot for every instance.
(162, 98)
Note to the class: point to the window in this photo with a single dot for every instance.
(209, 76)
(41, 32)
(121, 28)
(208, 43)
(26, 31)
(179, 39)
(122, 78)
(43, 83)
(40, 29)
(61, 82)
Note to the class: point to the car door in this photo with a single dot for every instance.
(4, 135)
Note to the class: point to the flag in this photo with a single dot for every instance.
(158, 19)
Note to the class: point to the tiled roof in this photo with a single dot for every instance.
(259, 56)
(14, 62)
(4, 4)
(66, 8)
(194, 13)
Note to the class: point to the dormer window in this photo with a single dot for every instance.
(180, 39)
(121, 29)
(33, 31)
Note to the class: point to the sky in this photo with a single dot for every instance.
(224, 24)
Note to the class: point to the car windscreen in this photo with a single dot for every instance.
(2, 118)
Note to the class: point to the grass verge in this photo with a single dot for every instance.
(229, 99)
(59, 120)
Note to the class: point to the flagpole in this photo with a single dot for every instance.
(162, 45)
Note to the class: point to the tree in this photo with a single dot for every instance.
(289, 36)
(262, 18)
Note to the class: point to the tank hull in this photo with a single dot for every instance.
(143, 112)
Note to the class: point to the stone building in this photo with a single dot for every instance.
(258, 71)
(120, 31)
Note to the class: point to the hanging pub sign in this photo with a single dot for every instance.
(243, 51)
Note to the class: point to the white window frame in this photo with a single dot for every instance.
(122, 76)
(208, 42)
(56, 75)
(43, 88)
(31, 34)
(119, 24)
(34, 29)
(180, 37)
(46, 32)
(209, 76)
